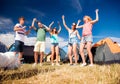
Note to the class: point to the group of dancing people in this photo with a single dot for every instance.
(39, 47)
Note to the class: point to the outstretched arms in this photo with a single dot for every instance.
(33, 22)
(59, 27)
(64, 23)
(77, 26)
(47, 28)
(51, 24)
(97, 17)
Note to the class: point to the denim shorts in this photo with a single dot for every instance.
(72, 41)
(19, 46)
(86, 39)
(54, 44)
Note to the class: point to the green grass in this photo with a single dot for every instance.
(65, 74)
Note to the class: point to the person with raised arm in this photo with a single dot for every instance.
(20, 31)
(40, 44)
(54, 43)
(72, 44)
(87, 38)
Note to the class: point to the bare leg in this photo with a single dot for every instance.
(20, 56)
(41, 56)
(15, 53)
(75, 52)
(89, 52)
(52, 53)
(70, 53)
(36, 57)
(57, 53)
(82, 52)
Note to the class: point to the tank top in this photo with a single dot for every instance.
(87, 29)
(54, 38)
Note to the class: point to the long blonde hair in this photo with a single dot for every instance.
(88, 17)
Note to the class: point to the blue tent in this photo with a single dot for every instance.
(3, 47)
(28, 54)
(65, 57)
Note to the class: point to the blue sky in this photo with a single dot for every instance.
(52, 10)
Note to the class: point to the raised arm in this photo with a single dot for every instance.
(46, 27)
(97, 17)
(77, 26)
(78, 35)
(33, 22)
(64, 23)
(59, 27)
(51, 24)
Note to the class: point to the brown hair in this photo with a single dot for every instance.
(21, 18)
(74, 24)
(55, 32)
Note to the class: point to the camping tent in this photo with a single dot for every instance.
(28, 54)
(65, 57)
(62, 54)
(3, 47)
(106, 51)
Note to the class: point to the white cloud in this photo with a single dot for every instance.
(6, 24)
(115, 39)
(76, 5)
(8, 39)
(99, 37)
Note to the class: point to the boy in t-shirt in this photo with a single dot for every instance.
(20, 31)
(40, 44)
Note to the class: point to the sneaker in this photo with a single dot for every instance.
(91, 65)
(70, 64)
(83, 64)
(57, 64)
(40, 64)
(34, 64)
(75, 64)
(53, 64)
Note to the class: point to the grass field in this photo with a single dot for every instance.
(64, 74)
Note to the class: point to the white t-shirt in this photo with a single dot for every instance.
(20, 35)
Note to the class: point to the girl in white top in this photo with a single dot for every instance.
(72, 46)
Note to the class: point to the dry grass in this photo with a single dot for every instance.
(65, 74)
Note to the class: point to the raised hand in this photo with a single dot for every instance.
(96, 10)
(79, 21)
(34, 19)
(24, 27)
(52, 22)
(30, 27)
(63, 16)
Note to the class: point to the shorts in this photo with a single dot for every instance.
(54, 44)
(86, 39)
(72, 41)
(39, 46)
(19, 46)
